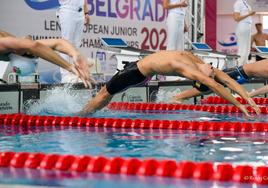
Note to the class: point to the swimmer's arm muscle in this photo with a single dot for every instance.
(232, 84)
(211, 83)
(60, 45)
(20, 46)
(261, 91)
(80, 61)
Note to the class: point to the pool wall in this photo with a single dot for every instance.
(13, 97)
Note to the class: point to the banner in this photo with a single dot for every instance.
(139, 22)
(211, 22)
(226, 38)
(260, 5)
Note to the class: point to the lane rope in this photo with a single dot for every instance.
(132, 166)
(220, 100)
(29, 120)
(148, 167)
(126, 106)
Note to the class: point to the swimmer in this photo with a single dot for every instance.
(241, 74)
(45, 50)
(170, 63)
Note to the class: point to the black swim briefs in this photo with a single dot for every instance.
(123, 79)
(200, 87)
(238, 74)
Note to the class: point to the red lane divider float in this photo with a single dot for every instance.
(170, 107)
(132, 166)
(220, 100)
(28, 120)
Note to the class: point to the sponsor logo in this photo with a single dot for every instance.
(231, 41)
(42, 4)
(5, 106)
(125, 97)
(134, 10)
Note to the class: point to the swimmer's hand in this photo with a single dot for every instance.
(83, 69)
(84, 113)
(79, 114)
(175, 100)
(72, 68)
(254, 106)
(244, 110)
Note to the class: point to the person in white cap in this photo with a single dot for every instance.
(72, 14)
(243, 16)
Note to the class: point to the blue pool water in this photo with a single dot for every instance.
(59, 179)
(179, 115)
(182, 115)
(236, 148)
(250, 148)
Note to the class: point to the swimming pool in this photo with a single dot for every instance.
(238, 148)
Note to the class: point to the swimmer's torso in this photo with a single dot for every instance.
(165, 62)
(260, 39)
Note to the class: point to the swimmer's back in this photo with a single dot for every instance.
(162, 62)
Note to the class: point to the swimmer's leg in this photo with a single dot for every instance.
(101, 100)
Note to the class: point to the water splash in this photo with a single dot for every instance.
(165, 96)
(59, 101)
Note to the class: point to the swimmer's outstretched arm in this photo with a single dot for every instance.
(213, 85)
(101, 100)
(261, 91)
(233, 85)
(65, 47)
(184, 95)
(61, 45)
(20, 46)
